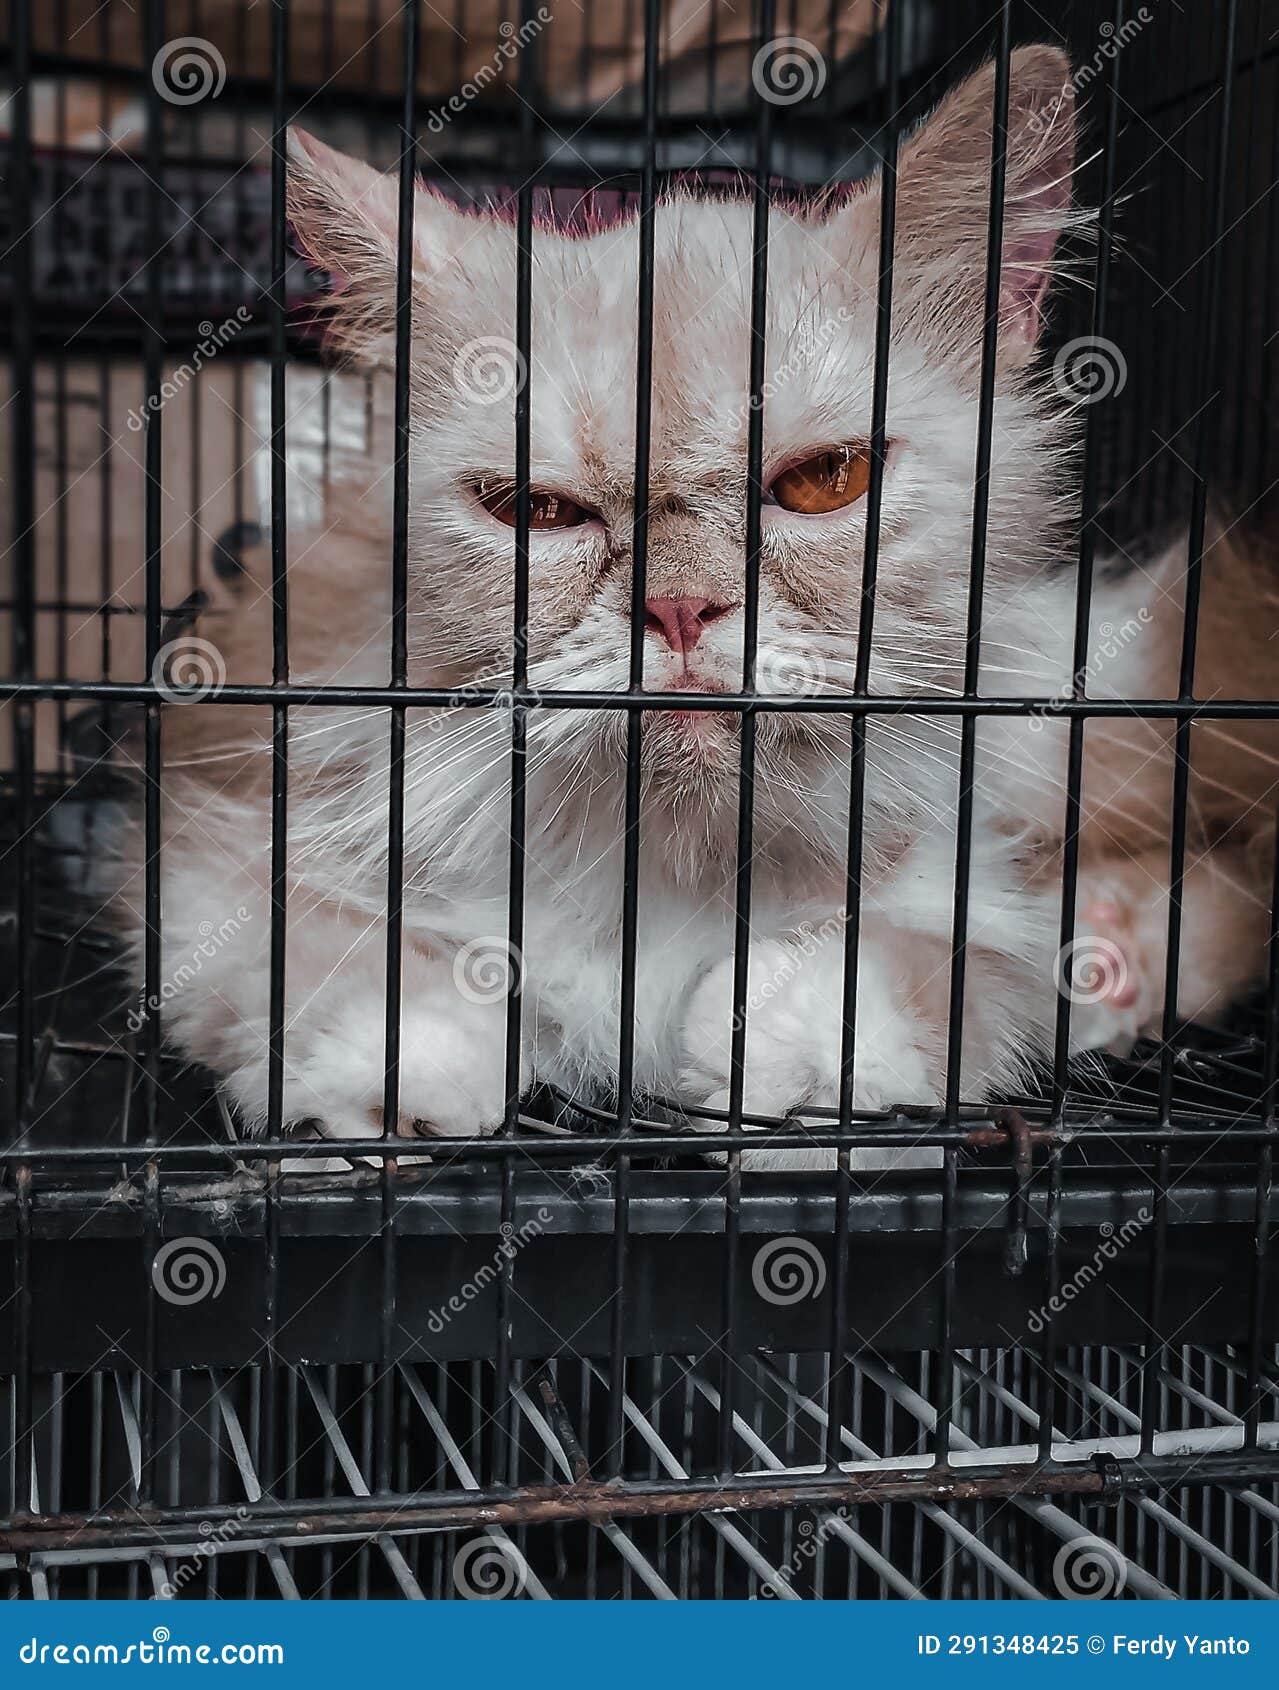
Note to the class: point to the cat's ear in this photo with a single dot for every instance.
(943, 205)
(345, 220)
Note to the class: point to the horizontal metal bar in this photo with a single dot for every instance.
(448, 1206)
(1199, 1129)
(482, 698)
(592, 1501)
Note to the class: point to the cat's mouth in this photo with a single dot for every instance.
(693, 729)
(708, 720)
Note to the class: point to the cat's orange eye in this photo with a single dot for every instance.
(546, 509)
(825, 482)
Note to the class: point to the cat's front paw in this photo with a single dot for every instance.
(794, 1036)
(452, 1066)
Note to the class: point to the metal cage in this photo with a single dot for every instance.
(543, 1365)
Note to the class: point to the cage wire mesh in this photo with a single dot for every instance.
(1034, 1356)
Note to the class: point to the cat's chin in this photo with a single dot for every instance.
(688, 741)
(691, 765)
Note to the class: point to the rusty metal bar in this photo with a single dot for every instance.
(590, 1502)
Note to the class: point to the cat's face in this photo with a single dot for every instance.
(817, 421)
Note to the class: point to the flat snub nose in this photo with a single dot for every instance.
(680, 621)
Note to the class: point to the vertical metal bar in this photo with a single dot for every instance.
(22, 543)
(61, 489)
(977, 561)
(528, 89)
(838, 1391)
(1083, 604)
(968, 733)
(1208, 393)
(279, 716)
(519, 658)
(240, 123)
(1091, 500)
(1052, 1284)
(152, 354)
(399, 678)
(1262, 1230)
(634, 729)
(153, 31)
(746, 789)
(105, 515)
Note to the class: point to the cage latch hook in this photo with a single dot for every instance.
(1016, 1250)
(1112, 1478)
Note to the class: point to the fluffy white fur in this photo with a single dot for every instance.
(822, 289)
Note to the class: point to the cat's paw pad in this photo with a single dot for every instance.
(355, 1122)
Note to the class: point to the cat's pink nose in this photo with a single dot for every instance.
(681, 621)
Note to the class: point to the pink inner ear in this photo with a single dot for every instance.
(1026, 275)
(1032, 225)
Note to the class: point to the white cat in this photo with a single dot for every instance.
(822, 292)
